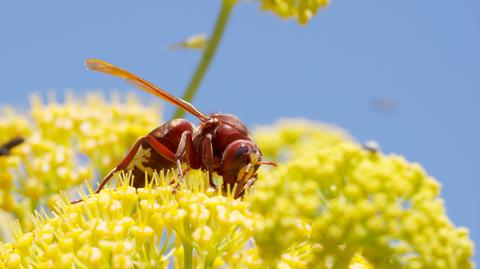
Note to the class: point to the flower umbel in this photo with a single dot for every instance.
(127, 226)
(329, 204)
(292, 138)
(65, 144)
(343, 200)
(302, 10)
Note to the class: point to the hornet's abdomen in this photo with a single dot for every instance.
(147, 160)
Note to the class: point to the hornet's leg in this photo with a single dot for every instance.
(245, 185)
(157, 146)
(207, 157)
(184, 150)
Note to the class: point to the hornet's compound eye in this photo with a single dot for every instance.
(241, 158)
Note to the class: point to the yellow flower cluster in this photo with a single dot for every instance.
(302, 10)
(329, 204)
(289, 139)
(151, 227)
(146, 228)
(65, 144)
(343, 200)
(11, 125)
(102, 130)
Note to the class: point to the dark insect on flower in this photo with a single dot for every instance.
(219, 144)
(5, 148)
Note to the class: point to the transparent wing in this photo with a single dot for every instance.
(104, 67)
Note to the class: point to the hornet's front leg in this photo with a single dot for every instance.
(208, 158)
(244, 185)
(184, 150)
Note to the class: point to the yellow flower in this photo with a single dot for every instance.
(344, 200)
(290, 138)
(195, 42)
(302, 10)
(121, 227)
(329, 203)
(359, 262)
(65, 144)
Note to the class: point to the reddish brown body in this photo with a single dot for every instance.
(169, 135)
(219, 144)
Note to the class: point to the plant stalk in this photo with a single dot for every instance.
(187, 255)
(210, 50)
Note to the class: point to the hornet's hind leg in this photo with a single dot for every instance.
(156, 145)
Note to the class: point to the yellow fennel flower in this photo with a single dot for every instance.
(194, 42)
(329, 204)
(291, 138)
(127, 226)
(150, 227)
(65, 144)
(343, 200)
(301, 10)
(101, 129)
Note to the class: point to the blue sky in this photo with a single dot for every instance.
(422, 56)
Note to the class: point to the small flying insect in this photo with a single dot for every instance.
(371, 146)
(7, 147)
(220, 144)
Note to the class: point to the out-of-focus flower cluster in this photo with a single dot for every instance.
(100, 129)
(65, 144)
(329, 204)
(301, 10)
(292, 138)
(342, 200)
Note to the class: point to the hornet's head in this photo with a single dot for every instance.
(241, 160)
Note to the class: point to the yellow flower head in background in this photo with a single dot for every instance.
(343, 200)
(301, 10)
(65, 144)
(292, 138)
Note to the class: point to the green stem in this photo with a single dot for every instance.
(202, 67)
(187, 255)
(187, 245)
(209, 264)
(343, 259)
